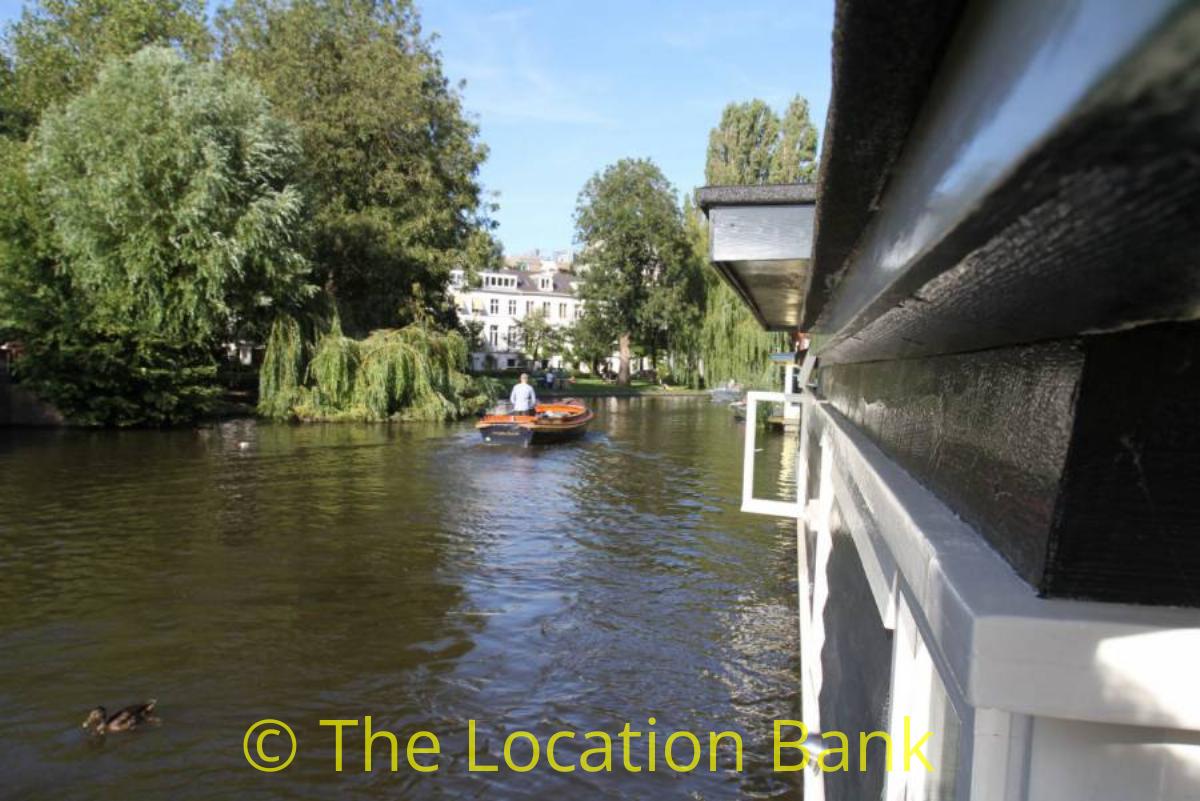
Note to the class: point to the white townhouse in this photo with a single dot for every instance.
(502, 298)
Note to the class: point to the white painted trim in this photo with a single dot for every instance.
(877, 561)
(1005, 648)
(751, 504)
(1000, 756)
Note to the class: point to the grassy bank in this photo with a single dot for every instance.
(598, 388)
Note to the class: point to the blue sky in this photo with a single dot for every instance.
(561, 88)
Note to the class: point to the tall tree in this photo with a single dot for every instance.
(58, 46)
(742, 147)
(390, 161)
(749, 146)
(795, 156)
(153, 223)
(634, 245)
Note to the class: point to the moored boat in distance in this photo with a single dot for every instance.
(730, 392)
(553, 422)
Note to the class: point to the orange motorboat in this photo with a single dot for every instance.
(553, 422)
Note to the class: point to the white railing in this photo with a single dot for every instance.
(792, 409)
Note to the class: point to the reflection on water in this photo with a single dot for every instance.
(403, 572)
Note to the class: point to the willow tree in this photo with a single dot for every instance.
(160, 224)
(635, 254)
(412, 373)
(390, 160)
(751, 145)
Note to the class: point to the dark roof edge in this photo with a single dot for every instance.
(764, 195)
(884, 59)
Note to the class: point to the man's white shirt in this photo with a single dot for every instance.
(523, 398)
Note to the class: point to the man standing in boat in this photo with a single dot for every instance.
(523, 399)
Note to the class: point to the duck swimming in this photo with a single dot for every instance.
(100, 722)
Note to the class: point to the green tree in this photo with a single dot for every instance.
(749, 146)
(682, 301)
(390, 160)
(742, 147)
(11, 120)
(159, 225)
(591, 340)
(634, 247)
(472, 333)
(535, 335)
(410, 373)
(795, 155)
(58, 46)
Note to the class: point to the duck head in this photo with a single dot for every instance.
(95, 720)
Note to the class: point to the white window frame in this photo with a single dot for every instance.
(763, 506)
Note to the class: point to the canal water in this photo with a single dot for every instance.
(246, 571)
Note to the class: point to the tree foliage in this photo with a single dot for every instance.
(151, 220)
(390, 160)
(535, 335)
(794, 158)
(741, 147)
(57, 47)
(12, 121)
(592, 339)
(751, 145)
(410, 373)
(640, 274)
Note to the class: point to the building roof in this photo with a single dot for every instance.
(528, 282)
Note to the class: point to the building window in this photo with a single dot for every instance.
(547, 283)
(562, 311)
(529, 307)
(546, 309)
(494, 335)
(578, 311)
(512, 362)
(512, 308)
(494, 306)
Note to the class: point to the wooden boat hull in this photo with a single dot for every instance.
(556, 422)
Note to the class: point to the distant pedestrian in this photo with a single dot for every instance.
(549, 379)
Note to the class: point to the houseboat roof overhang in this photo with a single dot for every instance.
(1006, 176)
(761, 243)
